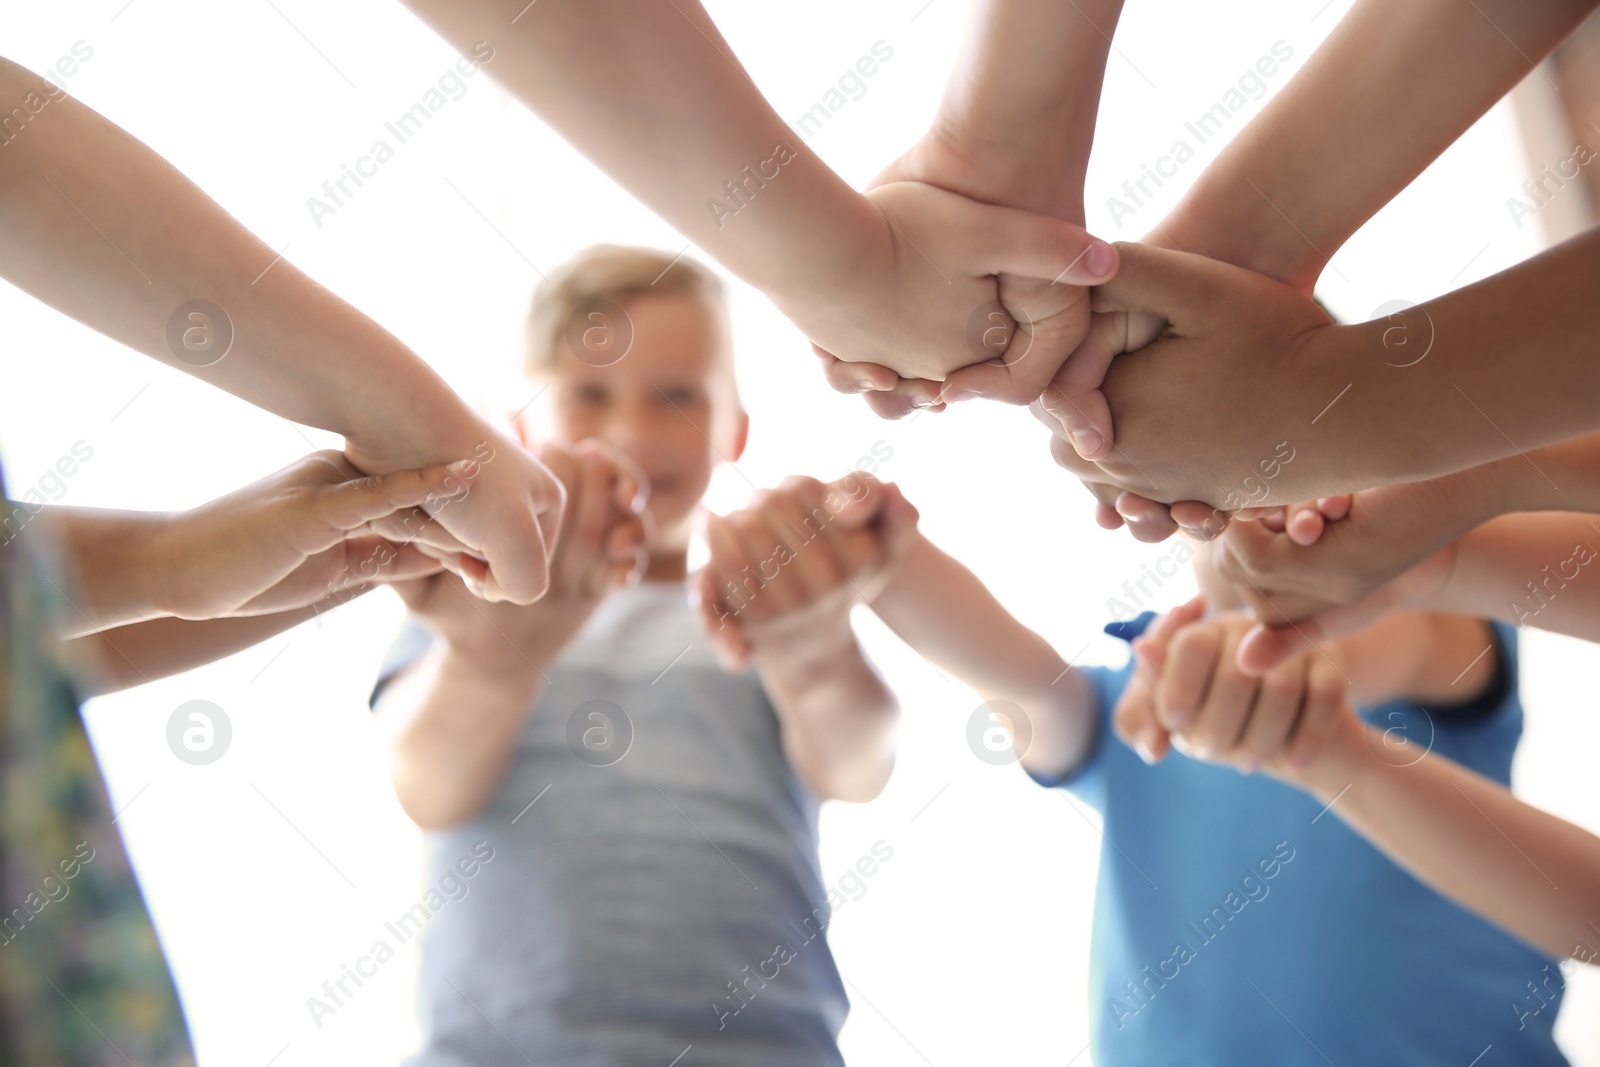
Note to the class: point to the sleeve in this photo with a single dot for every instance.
(1494, 696)
(1087, 781)
(1483, 730)
(412, 643)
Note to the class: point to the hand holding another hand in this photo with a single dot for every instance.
(957, 283)
(1188, 691)
(600, 547)
(785, 571)
(302, 535)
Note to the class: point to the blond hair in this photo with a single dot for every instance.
(607, 274)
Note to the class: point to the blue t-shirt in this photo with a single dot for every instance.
(1237, 922)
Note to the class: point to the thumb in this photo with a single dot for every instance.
(1265, 647)
(1180, 287)
(1020, 242)
(864, 499)
(1135, 722)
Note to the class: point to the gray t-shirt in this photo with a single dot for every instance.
(654, 894)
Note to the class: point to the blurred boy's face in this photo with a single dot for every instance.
(669, 405)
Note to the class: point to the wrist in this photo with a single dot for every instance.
(829, 234)
(1224, 220)
(156, 551)
(1341, 763)
(504, 666)
(1473, 496)
(981, 158)
(822, 648)
(442, 430)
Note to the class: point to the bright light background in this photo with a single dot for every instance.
(270, 869)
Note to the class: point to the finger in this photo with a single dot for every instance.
(1180, 287)
(1274, 718)
(727, 638)
(1274, 519)
(892, 406)
(859, 498)
(1327, 699)
(1248, 551)
(1199, 519)
(1148, 520)
(419, 528)
(898, 518)
(630, 488)
(1264, 647)
(990, 380)
(847, 377)
(1334, 508)
(1134, 720)
(1215, 732)
(777, 556)
(746, 559)
(1013, 241)
(1186, 676)
(519, 557)
(1159, 634)
(343, 507)
(377, 559)
(1086, 470)
(815, 567)
(1073, 396)
(584, 543)
(1304, 523)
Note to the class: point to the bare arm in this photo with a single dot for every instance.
(1467, 837)
(1017, 119)
(1459, 832)
(95, 224)
(453, 723)
(650, 91)
(812, 546)
(453, 719)
(1330, 149)
(945, 613)
(1532, 569)
(142, 652)
(838, 716)
(1525, 569)
(1322, 157)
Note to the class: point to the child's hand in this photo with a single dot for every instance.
(1310, 581)
(303, 534)
(1189, 687)
(504, 530)
(601, 541)
(1199, 408)
(785, 571)
(958, 284)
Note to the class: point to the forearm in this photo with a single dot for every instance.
(1425, 657)
(142, 652)
(1564, 476)
(942, 610)
(1469, 838)
(653, 95)
(1021, 104)
(1510, 368)
(116, 579)
(838, 716)
(454, 728)
(100, 227)
(1533, 569)
(1330, 149)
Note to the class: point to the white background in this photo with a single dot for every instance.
(270, 869)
